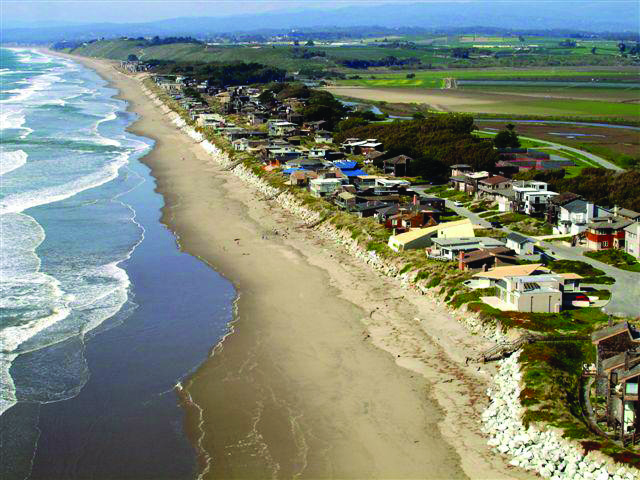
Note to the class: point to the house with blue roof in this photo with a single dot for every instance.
(350, 169)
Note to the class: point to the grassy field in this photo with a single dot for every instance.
(436, 78)
(591, 92)
(616, 258)
(431, 51)
(278, 56)
(458, 100)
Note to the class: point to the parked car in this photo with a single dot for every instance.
(581, 298)
(457, 203)
(496, 225)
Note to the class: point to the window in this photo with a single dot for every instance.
(632, 389)
(605, 244)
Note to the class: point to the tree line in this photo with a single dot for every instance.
(383, 62)
(221, 74)
(320, 105)
(435, 143)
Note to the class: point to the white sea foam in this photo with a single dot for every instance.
(92, 295)
(70, 299)
(7, 71)
(26, 55)
(56, 101)
(10, 161)
(22, 201)
(20, 236)
(35, 84)
(102, 139)
(11, 118)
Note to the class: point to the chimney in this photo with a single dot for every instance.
(460, 258)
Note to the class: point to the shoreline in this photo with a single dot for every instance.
(114, 387)
(305, 415)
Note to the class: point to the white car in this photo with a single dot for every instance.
(457, 204)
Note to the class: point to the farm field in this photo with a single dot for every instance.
(460, 100)
(437, 78)
(431, 52)
(580, 93)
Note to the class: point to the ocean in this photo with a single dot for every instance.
(101, 315)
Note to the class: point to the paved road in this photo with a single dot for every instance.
(625, 293)
(594, 158)
(474, 217)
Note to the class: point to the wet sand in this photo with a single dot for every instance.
(331, 371)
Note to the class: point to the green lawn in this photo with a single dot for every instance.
(522, 223)
(616, 258)
(589, 273)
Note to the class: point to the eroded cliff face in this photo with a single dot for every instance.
(542, 451)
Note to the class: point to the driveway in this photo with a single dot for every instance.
(625, 293)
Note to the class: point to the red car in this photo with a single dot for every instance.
(581, 298)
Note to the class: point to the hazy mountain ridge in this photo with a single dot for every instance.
(594, 16)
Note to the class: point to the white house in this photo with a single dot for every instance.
(321, 187)
(323, 136)
(391, 183)
(532, 196)
(574, 216)
(520, 244)
(210, 120)
(531, 293)
(632, 240)
(450, 248)
(280, 127)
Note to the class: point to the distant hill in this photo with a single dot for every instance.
(526, 15)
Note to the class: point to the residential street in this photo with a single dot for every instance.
(625, 293)
(474, 217)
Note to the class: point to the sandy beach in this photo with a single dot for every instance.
(332, 371)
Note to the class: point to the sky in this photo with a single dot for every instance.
(18, 12)
(21, 13)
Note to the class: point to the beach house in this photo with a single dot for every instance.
(606, 233)
(632, 240)
(397, 166)
(321, 187)
(530, 293)
(486, 258)
(532, 196)
(450, 248)
(574, 216)
(617, 377)
(520, 244)
(527, 288)
(423, 237)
